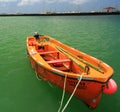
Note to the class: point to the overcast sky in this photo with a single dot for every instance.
(39, 6)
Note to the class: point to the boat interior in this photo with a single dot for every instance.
(55, 58)
(62, 59)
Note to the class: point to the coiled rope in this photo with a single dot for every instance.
(79, 80)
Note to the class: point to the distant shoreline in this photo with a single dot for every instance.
(65, 14)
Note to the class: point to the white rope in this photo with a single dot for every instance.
(33, 52)
(50, 84)
(72, 93)
(63, 94)
(37, 76)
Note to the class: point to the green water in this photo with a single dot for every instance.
(20, 91)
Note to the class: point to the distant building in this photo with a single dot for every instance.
(110, 9)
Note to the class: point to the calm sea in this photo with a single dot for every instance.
(21, 91)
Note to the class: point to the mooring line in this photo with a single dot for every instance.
(72, 93)
(63, 94)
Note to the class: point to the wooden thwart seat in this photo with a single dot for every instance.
(58, 61)
(48, 52)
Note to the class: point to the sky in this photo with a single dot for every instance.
(42, 6)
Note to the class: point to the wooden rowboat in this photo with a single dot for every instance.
(54, 61)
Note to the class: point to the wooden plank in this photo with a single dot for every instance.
(58, 61)
(47, 52)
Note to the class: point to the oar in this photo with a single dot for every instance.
(70, 57)
(85, 62)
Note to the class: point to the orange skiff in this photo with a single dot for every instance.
(54, 61)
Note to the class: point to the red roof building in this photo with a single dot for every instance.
(109, 9)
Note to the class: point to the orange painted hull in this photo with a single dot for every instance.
(53, 60)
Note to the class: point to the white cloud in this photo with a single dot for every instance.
(30, 2)
(80, 1)
(68, 1)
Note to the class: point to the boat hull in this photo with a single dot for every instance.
(93, 82)
(88, 91)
